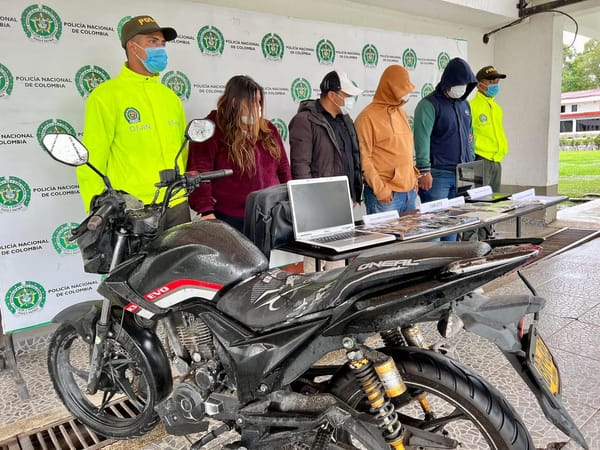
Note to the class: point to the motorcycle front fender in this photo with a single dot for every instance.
(83, 317)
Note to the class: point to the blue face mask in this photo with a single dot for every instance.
(492, 90)
(156, 59)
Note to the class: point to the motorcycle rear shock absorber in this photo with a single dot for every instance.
(392, 338)
(379, 382)
(413, 336)
(410, 335)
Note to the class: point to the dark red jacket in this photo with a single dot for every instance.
(228, 195)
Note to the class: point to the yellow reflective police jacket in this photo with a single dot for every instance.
(490, 139)
(134, 126)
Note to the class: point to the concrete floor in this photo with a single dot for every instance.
(570, 325)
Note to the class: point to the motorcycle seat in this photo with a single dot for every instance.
(276, 298)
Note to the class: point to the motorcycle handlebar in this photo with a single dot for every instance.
(195, 178)
(99, 216)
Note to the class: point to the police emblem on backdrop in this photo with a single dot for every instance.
(15, 194)
(41, 23)
(211, 41)
(179, 83)
(370, 56)
(88, 78)
(300, 90)
(25, 297)
(272, 47)
(442, 60)
(409, 58)
(325, 51)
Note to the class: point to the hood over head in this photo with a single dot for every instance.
(457, 72)
(393, 86)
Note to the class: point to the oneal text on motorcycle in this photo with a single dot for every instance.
(398, 263)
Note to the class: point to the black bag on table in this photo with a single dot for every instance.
(268, 218)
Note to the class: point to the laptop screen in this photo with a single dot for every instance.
(468, 176)
(320, 203)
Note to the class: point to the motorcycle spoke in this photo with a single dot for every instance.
(120, 381)
(436, 424)
(127, 389)
(106, 398)
(80, 373)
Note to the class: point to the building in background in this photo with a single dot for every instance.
(580, 113)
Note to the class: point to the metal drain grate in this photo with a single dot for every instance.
(72, 435)
(68, 434)
(565, 239)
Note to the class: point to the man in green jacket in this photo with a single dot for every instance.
(134, 125)
(490, 141)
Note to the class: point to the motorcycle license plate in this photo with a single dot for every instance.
(541, 362)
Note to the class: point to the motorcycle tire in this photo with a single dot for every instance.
(123, 407)
(469, 394)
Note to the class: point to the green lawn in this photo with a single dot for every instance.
(579, 173)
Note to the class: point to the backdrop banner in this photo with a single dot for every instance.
(52, 55)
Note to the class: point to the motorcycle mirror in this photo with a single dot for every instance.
(65, 149)
(200, 130)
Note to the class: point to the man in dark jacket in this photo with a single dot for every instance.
(323, 141)
(443, 132)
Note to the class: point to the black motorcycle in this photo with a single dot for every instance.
(194, 326)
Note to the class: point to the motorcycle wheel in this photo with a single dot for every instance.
(123, 407)
(466, 407)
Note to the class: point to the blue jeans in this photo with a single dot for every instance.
(444, 186)
(401, 202)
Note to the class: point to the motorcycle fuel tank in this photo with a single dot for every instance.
(207, 253)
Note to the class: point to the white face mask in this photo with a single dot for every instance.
(250, 120)
(457, 91)
(348, 103)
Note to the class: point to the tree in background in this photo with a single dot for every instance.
(581, 71)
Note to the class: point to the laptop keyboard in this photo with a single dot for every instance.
(337, 237)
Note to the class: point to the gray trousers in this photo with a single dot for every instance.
(492, 173)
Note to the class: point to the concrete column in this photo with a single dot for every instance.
(530, 53)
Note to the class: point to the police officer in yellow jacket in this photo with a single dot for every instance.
(490, 140)
(134, 125)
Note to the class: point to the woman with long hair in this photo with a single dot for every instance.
(245, 142)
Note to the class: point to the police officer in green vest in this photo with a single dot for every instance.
(134, 125)
(490, 141)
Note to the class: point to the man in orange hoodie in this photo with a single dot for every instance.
(386, 145)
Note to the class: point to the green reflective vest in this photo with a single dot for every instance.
(490, 140)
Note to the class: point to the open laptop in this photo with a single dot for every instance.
(322, 215)
(470, 176)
